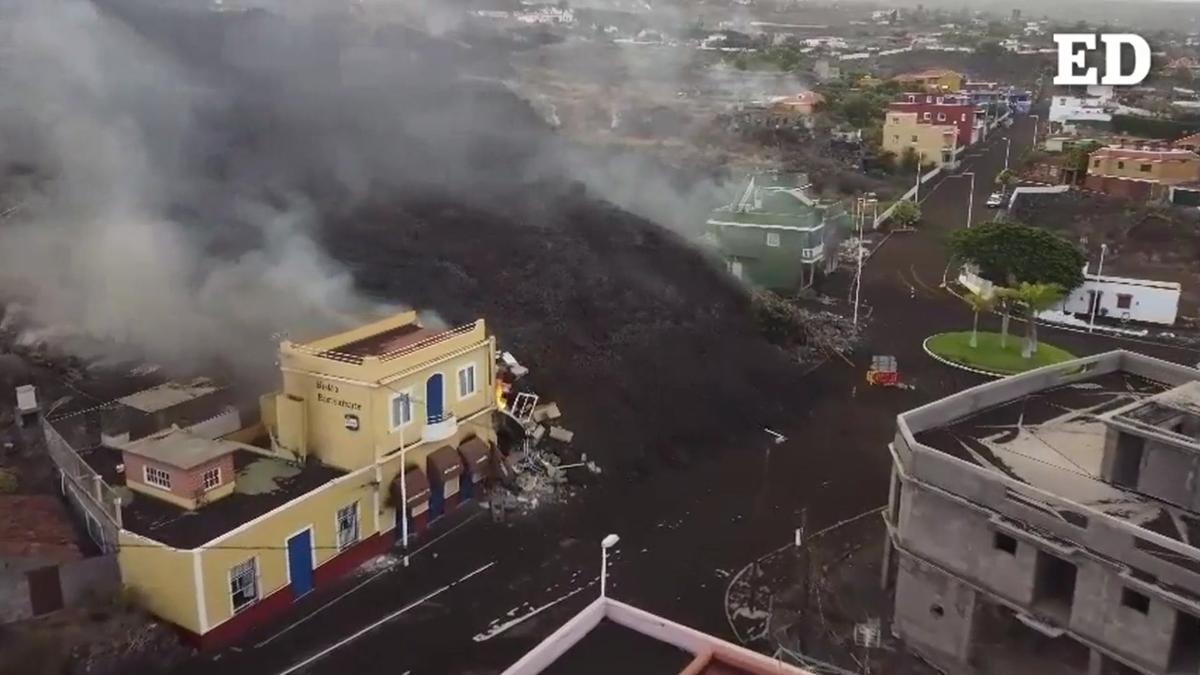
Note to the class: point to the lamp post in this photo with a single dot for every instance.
(970, 194)
(920, 161)
(1036, 119)
(1096, 291)
(1007, 150)
(862, 216)
(605, 544)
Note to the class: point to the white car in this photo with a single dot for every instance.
(996, 200)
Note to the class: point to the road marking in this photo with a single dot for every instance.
(350, 638)
(496, 630)
(359, 585)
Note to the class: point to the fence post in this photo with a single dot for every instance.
(117, 512)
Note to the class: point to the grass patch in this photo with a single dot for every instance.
(990, 356)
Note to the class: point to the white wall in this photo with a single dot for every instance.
(1149, 305)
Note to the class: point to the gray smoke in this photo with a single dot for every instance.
(178, 169)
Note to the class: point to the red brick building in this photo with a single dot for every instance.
(944, 109)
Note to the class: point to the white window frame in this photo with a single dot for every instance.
(204, 479)
(253, 561)
(941, 117)
(407, 393)
(163, 483)
(926, 116)
(337, 527)
(773, 240)
(458, 382)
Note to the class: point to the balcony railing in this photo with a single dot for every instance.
(439, 427)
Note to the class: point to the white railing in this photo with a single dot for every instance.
(85, 489)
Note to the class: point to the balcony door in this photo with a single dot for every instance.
(434, 388)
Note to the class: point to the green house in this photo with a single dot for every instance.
(774, 235)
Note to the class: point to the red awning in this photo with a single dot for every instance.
(475, 455)
(444, 464)
(416, 485)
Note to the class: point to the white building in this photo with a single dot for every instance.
(1136, 300)
(1068, 111)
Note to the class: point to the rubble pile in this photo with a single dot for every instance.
(542, 466)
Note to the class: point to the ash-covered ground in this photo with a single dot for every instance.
(412, 171)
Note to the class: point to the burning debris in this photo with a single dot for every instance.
(539, 447)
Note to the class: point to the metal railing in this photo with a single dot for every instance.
(85, 489)
(357, 360)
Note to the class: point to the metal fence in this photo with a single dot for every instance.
(95, 500)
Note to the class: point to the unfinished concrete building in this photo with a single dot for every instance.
(1050, 522)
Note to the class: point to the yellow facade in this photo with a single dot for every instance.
(1167, 167)
(320, 389)
(935, 143)
(308, 417)
(162, 578)
(933, 80)
(265, 539)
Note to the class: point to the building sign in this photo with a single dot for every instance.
(1072, 59)
(327, 393)
(351, 422)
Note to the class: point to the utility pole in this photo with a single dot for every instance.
(1036, 119)
(920, 160)
(1096, 290)
(861, 208)
(804, 572)
(1007, 150)
(971, 200)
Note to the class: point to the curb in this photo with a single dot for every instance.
(944, 361)
(806, 540)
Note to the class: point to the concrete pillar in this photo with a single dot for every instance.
(1095, 663)
(97, 488)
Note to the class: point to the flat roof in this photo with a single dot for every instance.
(167, 395)
(609, 636)
(262, 484)
(1150, 417)
(180, 448)
(386, 341)
(1054, 439)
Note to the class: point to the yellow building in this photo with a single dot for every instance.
(219, 534)
(932, 80)
(934, 143)
(1141, 172)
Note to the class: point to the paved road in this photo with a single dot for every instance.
(683, 529)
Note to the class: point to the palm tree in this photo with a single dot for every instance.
(1004, 298)
(1036, 297)
(978, 303)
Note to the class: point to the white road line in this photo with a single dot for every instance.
(350, 638)
(497, 630)
(359, 585)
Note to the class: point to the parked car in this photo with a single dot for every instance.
(996, 200)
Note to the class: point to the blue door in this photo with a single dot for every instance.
(433, 398)
(299, 552)
(437, 499)
(467, 483)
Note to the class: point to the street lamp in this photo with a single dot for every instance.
(970, 195)
(862, 216)
(1036, 119)
(605, 544)
(920, 161)
(1007, 149)
(1096, 291)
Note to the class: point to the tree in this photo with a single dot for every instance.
(909, 160)
(859, 110)
(978, 303)
(1079, 155)
(1035, 297)
(1010, 253)
(1006, 178)
(906, 214)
